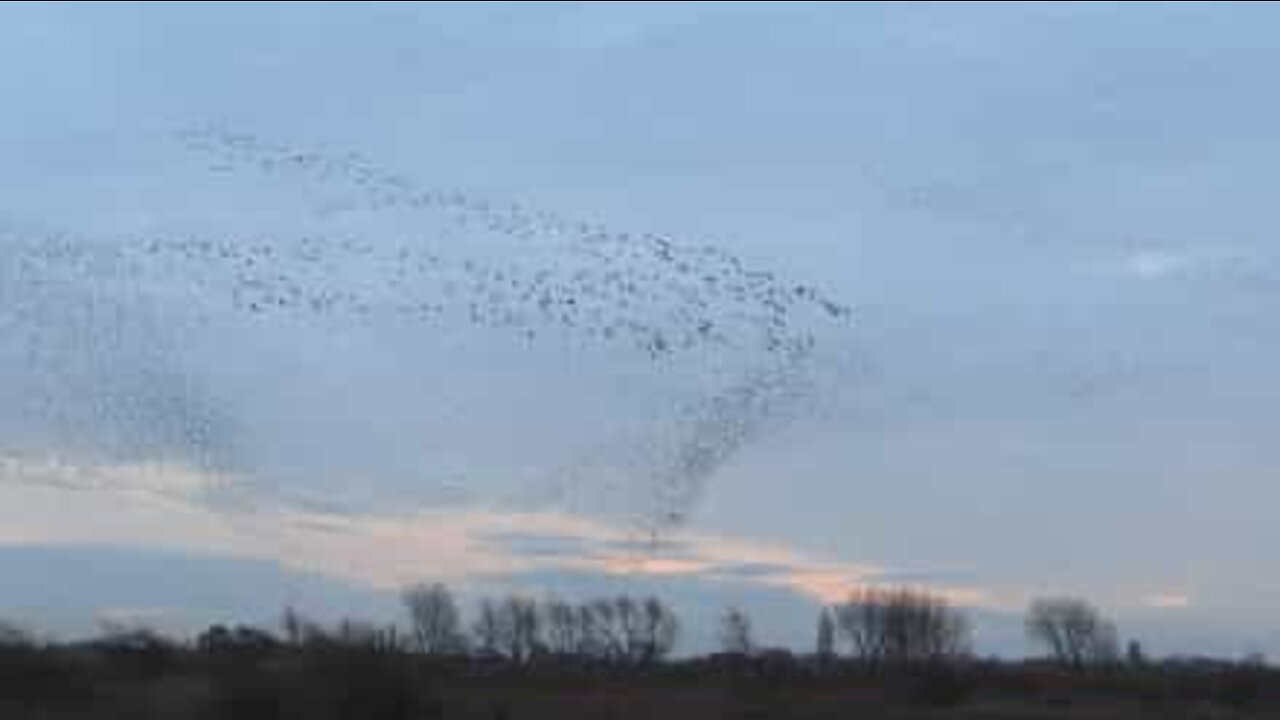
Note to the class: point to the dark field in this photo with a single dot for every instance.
(142, 681)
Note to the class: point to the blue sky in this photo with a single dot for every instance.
(1052, 223)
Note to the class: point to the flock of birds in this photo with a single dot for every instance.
(662, 476)
(651, 292)
(92, 364)
(75, 300)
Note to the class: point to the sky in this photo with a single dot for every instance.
(1049, 223)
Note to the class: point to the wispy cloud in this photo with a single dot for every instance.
(1167, 601)
(1151, 263)
(388, 551)
(160, 478)
(1166, 262)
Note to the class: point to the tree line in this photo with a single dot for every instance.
(895, 644)
(874, 626)
(519, 628)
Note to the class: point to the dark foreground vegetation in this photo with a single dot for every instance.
(903, 656)
(339, 682)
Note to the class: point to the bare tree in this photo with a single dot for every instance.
(519, 628)
(735, 632)
(902, 625)
(487, 630)
(588, 631)
(608, 639)
(826, 635)
(562, 628)
(1134, 654)
(629, 630)
(618, 629)
(1072, 630)
(862, 620)
(626, 616)
(359, 634)
(292, 625)
(433, 618)
(658, 630)
(299, 629)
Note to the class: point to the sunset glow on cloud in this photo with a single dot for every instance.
(387, 552)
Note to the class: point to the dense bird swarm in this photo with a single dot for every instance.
(73, 307)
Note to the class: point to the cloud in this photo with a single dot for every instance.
(1145, 264)
(534, 545)
(152, 477)
(1218, 263)
(167, 509)
(1152, 264)
(753, 570)
(1166, 601)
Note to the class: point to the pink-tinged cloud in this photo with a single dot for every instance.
(164, 509)
(1167, 601)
